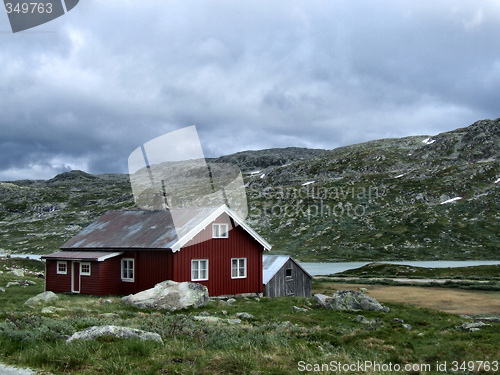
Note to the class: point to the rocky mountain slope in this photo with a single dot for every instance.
(414, 198)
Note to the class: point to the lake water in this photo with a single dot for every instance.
(315, 269)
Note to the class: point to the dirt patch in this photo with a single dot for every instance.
(449, 300)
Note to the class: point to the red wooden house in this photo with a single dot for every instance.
(125, 252)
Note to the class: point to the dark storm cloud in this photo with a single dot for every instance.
(87, 89)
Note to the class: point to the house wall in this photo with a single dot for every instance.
(276, 287)
(54, 282)
(219, 252)
(154, 266)
(90, 284)
(58, 283)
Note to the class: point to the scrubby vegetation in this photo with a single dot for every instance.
(375, 201)
(273, 341)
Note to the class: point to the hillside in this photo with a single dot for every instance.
(420, 197)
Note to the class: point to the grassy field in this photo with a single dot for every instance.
(386, 270)
(274, 341)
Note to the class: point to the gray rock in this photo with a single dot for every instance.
(41, 298)
(12, 283)
(16, 273)
(349, 300)
(51, 310)
(170, 295)
(114, 331)
(215, 320)
(208, 319)
(472, 327)
(489, 319)
(110, 315)
(244, 315)
(2, 290)
(374, 323)
(298, 309)
(362, 319)
(231, 300)
(409, 327)
(397, 320)
(320, 299)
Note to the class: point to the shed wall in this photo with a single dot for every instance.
(276, 287)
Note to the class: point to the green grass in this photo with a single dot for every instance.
(272, 342)
(386, 270)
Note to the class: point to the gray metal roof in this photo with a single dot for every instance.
(82, 255)
(140, 229)
(271, 264)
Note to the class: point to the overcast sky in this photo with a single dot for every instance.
(85, 90)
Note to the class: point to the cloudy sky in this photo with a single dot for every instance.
(85, 90)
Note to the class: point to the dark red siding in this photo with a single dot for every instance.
(55, 282)
(219, 252)
(154, 266)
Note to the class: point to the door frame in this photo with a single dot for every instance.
(75, 275)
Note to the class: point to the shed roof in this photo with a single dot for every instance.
(271, 264)
(98, 256)
(142, 229)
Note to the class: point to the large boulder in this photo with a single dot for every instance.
(16, 273)
(41, 298)
(349, 300)
(95, 332)
(170, 295)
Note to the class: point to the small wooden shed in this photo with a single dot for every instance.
(283, 276)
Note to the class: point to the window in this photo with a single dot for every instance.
(62, 268)
(127, 269)
(219, 231)
(288, 273)
(238, 268)
(199, 269)
(85, 269)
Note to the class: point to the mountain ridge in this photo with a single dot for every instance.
(389, 199)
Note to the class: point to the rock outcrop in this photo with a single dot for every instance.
(16, 273)
(349, 300)
(41, 298)
(170, 295)
(95, 332)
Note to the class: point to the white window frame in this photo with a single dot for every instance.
(81, 268)
(198, 269)
(125, 266)
(241, 263)
(65, 263)
(216, 230)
